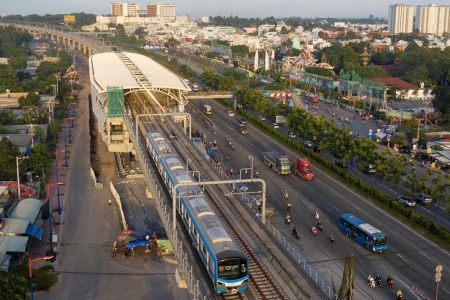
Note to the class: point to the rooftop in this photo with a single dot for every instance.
(395, 81)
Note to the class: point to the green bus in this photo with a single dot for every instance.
(207, 109)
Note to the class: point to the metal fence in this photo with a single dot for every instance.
(185, 263)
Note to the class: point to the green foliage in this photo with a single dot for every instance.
(441, 101)
(42, 158)
(13, 287)
(44, 281)
(8, 79)
(7, 117)
(319, 71)
(30, 100)
(8, 154)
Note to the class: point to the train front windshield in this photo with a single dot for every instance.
(233, 268)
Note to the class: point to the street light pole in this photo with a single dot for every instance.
(50, 223)
(30, 268)
(18, 175)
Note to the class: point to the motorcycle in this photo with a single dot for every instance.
(391, 283)
(331, 240)
(296, 233)
(320, 226)
(379, 282)
(316, 216)
(371, 283)
(314, 231)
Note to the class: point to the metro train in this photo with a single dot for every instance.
(223, 259)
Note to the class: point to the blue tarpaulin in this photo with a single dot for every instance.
(212, 151)
(34, 231)
(138, 243)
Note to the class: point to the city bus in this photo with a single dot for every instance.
(207, 109)
(364, 234)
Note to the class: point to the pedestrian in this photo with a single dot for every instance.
(109, 202)
(231, 172)
(227, 158)
(288, 219)
(115, 247)
(289, 206)
(215, 143)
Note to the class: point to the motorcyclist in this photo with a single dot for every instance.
(378, 280)
(314, 231)
(331, 238)
(294, 230)
(319, 225)
(316, 215)
(399, 295)
(390, 281)
(229, 142)
(285, 194)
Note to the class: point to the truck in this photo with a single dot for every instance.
(280, 119)
(303, 169)
(279, 163)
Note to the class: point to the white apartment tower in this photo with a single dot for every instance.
(400, 18)
(124, 9)
(164, 11)
(433, 19)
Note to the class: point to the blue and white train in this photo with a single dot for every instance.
(224, 260)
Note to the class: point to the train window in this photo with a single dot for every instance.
(232, 269)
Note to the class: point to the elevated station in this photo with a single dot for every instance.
(119, 77)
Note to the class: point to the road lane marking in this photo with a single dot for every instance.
(424, 254)
(355, 207)
(336, 208)
(401, 257)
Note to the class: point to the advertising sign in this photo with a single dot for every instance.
(69, 19)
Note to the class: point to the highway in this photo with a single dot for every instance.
(410, 259)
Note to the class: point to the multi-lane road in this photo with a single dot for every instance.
(411, 259)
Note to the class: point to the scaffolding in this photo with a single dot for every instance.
(115, 102)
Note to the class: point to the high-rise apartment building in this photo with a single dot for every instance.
(433, 19)
(123, 9)
(400, 18)
(159, 10)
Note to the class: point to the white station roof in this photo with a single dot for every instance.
(108, 70)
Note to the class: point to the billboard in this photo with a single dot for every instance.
(317, 80)
(69, 19)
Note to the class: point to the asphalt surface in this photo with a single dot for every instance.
(410, 259)
(86, 265)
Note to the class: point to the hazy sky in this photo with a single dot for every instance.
(240, 8)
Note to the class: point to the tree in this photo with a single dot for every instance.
(13, 286)
(439, 192)
(284, 30)
(42, 158)
(8, 154)
(30, 100)
(441, 101)
(8, 78)
(393, 170)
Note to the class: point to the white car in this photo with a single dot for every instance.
(275, 125)
(262, 118)
(230, 113)
(407, 201)
(292, 135)
(308, 144)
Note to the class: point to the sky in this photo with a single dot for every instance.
(240, 8)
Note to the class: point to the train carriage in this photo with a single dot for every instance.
(222, 257)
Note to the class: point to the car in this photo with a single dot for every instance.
(242, 129)
(368, 168)
(341, 164)
(407, 201)
(292, 135)
(308, 144)
(239, 105)
(262, 118)
(317, 149)
(230, 113)
(275, 125)
(242, 121)
(423, 199)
